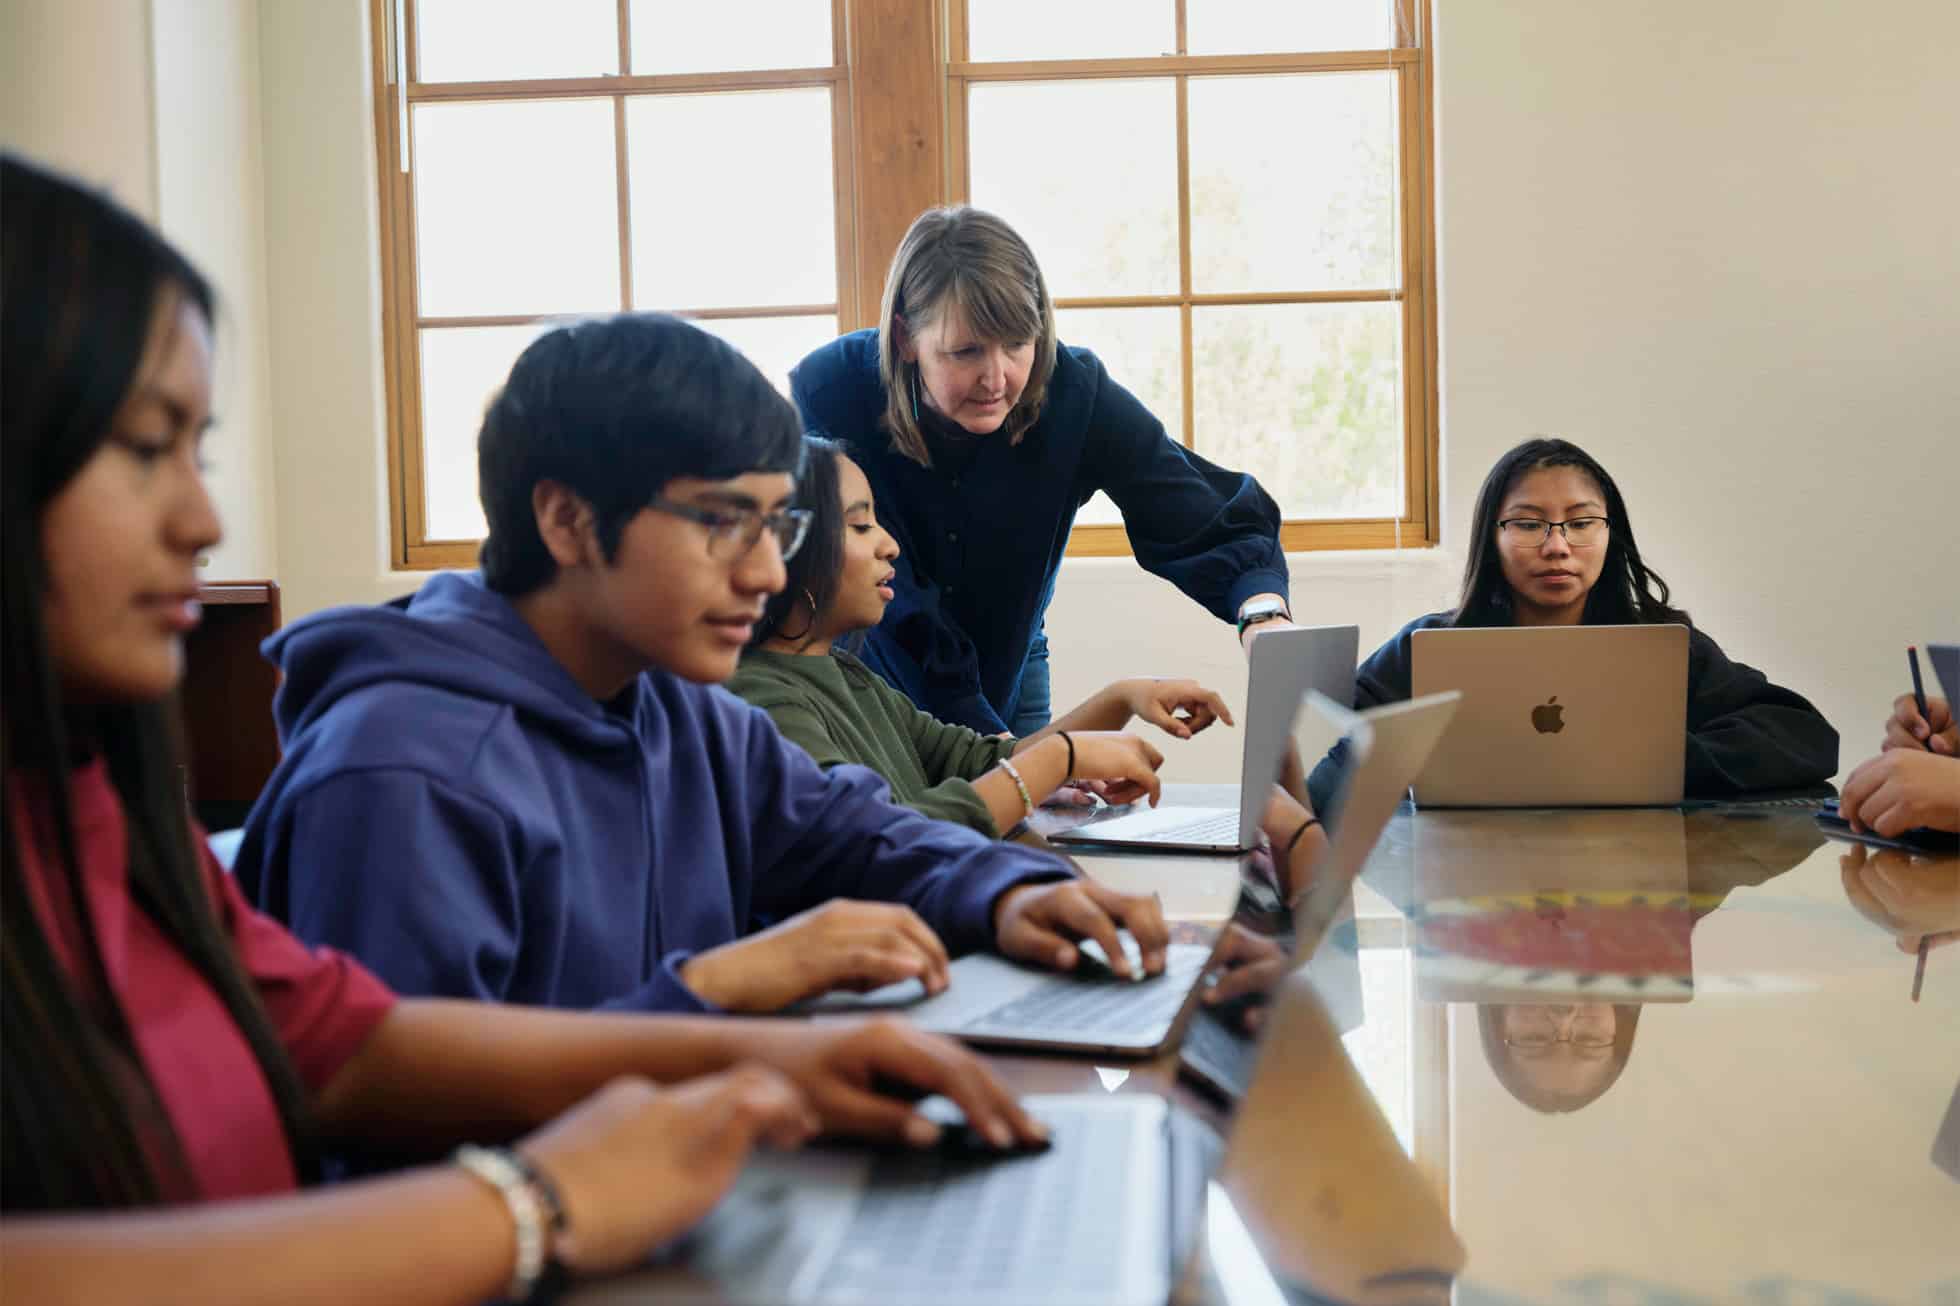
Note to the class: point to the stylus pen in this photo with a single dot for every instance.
(1919, 701)
(1919, 692)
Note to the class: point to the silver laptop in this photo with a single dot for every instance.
(1284, 665)
(1557, 716)
(994, 1002)
(1387, 746)
(1108, 1215)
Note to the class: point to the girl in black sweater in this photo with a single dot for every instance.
(1552, 544)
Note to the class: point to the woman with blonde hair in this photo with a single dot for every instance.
(981, 436)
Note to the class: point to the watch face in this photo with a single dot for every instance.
(1258, 612)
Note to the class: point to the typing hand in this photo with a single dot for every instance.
(636, 1165)
(1936, 731)
(1902, 789)
(1125, 764)
(1158, 701)
(1244, 972)
(1041, 924)
(864, 1078)
(854, 946)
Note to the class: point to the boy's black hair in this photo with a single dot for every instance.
(613, 409)
(814, 573)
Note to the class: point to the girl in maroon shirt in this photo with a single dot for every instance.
(175, 1061)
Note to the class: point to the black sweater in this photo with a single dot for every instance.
(1744, 734)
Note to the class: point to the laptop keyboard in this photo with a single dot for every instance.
(1113, 1007)
(933, 1226)
(1223, 828)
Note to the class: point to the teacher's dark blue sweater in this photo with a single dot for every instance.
(456, 812)
(983, 530)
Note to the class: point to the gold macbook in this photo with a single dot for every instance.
(1556, 716)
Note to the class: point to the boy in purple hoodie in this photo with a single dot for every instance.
(522, 785)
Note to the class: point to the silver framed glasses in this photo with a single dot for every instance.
(732, 532)
(1530, 532)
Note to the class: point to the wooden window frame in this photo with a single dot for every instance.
(898, 83)
(1411, 63)
(398, 90)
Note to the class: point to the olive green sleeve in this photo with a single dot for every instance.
(946, 795)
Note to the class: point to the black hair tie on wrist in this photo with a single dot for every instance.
(1070, 773)
(1292, 843)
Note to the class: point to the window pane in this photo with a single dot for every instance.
(686, 36)
(504, 40)
(516, 208)
(734, 202)
(1101, 220)
(775, 344)
(462, 370)
(1306, 397)
(1075, 29)
(1293, 183)
(1264, 27)
(1140, 348)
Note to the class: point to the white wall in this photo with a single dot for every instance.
(1714, 244)
(157, 100)
(211, 188)
(1710, 243)
(76, 91)
(323, 267)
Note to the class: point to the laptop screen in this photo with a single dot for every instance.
(1316, 1199)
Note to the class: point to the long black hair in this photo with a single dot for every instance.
(1628, 592)
(817, 569)
(81, 1125)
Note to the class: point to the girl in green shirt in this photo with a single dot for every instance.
(798, 669)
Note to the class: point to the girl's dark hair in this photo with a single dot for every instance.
(1628, 592)
(81, 1125)
(816, 570)
(613, 408)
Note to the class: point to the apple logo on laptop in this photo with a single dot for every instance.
(1548, 718)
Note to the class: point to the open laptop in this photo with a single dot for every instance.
(1284, 664)
(1387, 746)
(1557, 716)
(1107, 1215)
(994, 1002)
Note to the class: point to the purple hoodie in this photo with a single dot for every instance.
(456, 812)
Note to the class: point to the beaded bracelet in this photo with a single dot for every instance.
(1070, 773)
(537, 1214)
(1305, 826)
(1027, 800)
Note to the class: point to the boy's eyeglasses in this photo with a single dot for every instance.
(732, 532)
(1530, 532)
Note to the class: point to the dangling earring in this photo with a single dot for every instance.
(808, 630)
(915, 396)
